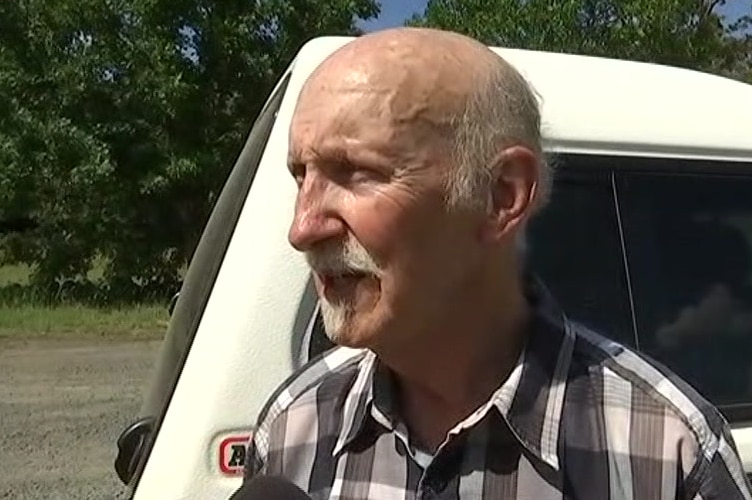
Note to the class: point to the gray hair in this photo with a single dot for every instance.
(503, 111)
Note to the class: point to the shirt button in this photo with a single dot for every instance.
(432, 488)
(427, 493)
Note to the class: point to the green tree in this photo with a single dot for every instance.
(119, 121)
(741, 42)
(686, 33)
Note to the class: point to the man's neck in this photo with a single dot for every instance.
(453, 371)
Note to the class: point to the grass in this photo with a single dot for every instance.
(16, 274)
(73, 321)
(30, 321)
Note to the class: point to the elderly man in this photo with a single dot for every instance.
(417, 156)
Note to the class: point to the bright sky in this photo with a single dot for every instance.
(395, 12)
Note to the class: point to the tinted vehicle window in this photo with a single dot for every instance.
(689, 247)
(575, 248)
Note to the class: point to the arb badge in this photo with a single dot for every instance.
(232, 454)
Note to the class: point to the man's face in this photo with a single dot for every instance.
(370, 212)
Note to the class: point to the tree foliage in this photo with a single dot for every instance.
(686, 33)
(119, 120)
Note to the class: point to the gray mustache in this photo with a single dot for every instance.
(349, 258)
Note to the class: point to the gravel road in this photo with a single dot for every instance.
(62, 407)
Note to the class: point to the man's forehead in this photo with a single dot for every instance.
(401, 84)
(347, 73)
(392, 68)
(398, 94)
(332, 133)
(350, 78)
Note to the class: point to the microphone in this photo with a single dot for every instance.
(269, 488)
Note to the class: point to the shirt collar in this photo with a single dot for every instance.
(530, 400)
(358, 403)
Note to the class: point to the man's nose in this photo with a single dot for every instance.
(315, 219)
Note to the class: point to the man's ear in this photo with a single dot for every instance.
(512, 193)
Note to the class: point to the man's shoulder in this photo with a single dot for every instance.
(633, 381)
(333, 370)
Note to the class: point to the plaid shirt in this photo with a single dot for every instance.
(580, 417)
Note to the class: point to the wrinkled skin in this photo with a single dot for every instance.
(370, 151)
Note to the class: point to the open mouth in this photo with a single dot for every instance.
(331, 280)
(348, 286)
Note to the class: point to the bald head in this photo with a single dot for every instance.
(416, 154)
(449, 91)
(423, 74)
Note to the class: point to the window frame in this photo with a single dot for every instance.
(207, 261)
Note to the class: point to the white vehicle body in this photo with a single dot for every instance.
(252, 326)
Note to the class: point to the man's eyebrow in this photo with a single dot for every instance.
(297, 161)
(294, 157)
(326, 154)
(292, 153)
(295, 167)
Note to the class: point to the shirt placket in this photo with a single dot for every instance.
(442, 470)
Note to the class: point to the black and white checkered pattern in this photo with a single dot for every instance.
(580, 417)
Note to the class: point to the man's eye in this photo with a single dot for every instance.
(298, 173)
(368, 175)
(344, 173)
(361, 174)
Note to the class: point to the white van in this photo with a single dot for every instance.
(648, 238)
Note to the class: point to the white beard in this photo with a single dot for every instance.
(335, 317)
(346, 257)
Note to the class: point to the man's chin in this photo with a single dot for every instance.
(349, 341)
(347, 328)
(344, 335)
(348, 335)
